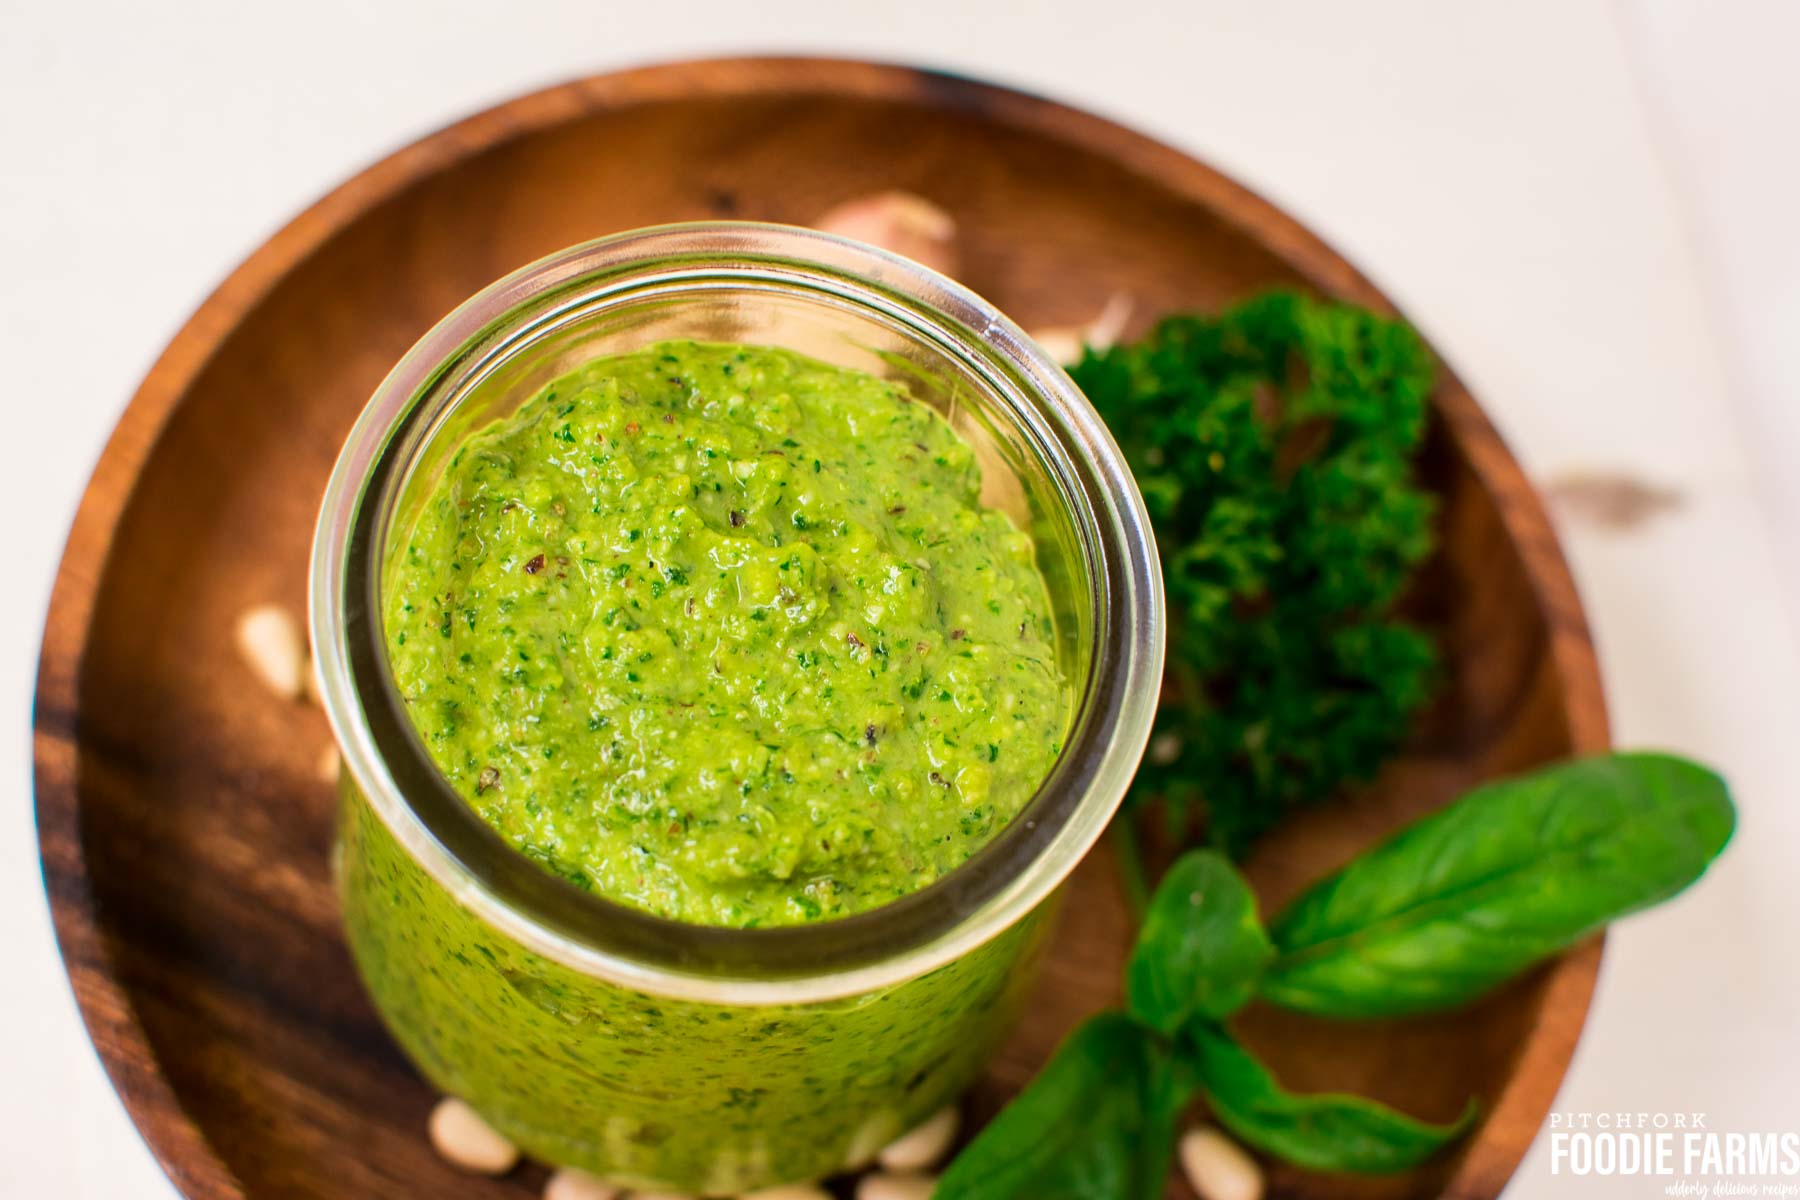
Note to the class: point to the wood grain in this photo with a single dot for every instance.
(185, 834)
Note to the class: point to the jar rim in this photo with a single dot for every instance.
(998, 885)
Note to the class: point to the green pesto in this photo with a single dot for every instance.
(725, 633)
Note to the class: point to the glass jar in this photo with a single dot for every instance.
(703, 1059)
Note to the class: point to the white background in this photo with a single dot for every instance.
(1587, 206)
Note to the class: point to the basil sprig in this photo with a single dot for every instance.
(1450, 907)
(1509, 875)
(1202, 948)
(1099, 1120)
(1328, 1132)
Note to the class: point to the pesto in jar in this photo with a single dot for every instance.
(726, 633)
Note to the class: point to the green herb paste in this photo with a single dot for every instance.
(725, 633)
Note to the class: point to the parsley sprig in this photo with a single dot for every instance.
(1274, 445)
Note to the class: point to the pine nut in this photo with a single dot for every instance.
(924, 1145)
(907, 225)
(1217, 1168)
(270, 641)
(466, 1141)
(1064, 343)
(881, 1186)
(569, 1183)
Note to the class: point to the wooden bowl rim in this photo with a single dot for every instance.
(177, 1141)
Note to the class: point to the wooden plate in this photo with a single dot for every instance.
(185, 832)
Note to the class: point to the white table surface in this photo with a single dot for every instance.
(1585, 205)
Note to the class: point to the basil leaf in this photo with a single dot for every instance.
(1202, 947)
(1510, 874)
(1322, 1132)
(1098, 1123)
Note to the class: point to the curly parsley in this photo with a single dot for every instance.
(1275, 447)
